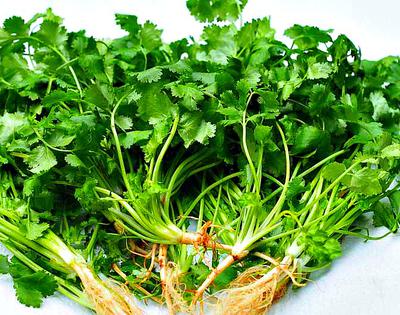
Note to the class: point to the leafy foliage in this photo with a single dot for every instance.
(271, 148)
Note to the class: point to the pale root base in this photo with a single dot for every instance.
(175, 289)
(254, 291)
(162, 262)
(222, 266)
(107, 298)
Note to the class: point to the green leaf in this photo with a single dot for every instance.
(100, 95)
(321, 99)
(11, 124)
(73, 160)
(150, 36)
(288, 87)
(60, 96)
(52, 33)
(4, 265)
(319, 70)
(128, 23)
(296, 187)
(308, 138)
(386, 214)
(381, 107)
(193, 128)
(211, 10)
(250, 32)
(262, 134)
(132, 137)
(189, 93)
(15, 26)
(150, 75)
(306, 37)
(31, 287)
(27, 295)
(41, 159)
(366, 182)
(333, 171)
(391, 151)
(124, 122)
(32, 230)
(58, 138)
(233, 115)
(220, 44)
(154, 105)
(319, 246)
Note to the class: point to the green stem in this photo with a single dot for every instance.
(279, 204)
(246, 151)
(119, 150)
(164, 149)
(203, 193)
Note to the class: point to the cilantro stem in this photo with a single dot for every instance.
(119, 150)
(246, 150)
(204, 192)
(164, 149)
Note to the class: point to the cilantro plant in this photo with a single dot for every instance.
(230, 165)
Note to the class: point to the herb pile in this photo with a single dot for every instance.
(219, 170)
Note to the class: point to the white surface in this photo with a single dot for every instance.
(362, 282)
(365, 280)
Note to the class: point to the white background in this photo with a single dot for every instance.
(365, 280)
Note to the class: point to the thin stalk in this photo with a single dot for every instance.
(246, 150)
(164, 149)
(119, 150)
(203, 193)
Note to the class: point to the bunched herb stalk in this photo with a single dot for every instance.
(103, 296)
(118, 148)
(250, 226)
(311, 244)
(139, 213)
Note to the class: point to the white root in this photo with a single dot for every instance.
(107, 298)
(253, 294)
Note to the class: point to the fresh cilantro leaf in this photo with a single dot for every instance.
(41, 159)
(381, 106)
(193, 128)
(4, 265)
(319, 70)
(133, 137)
(366, 181)
(124, 122)
(128, 23)
(333, 171)
(11, 124)
(296, 187)
(60, 96)
(31, 287)
(391, 151)
(100, 95)
(73, 160)
(150, 75)
(52, 33)
(58, 138)
(154, 105)
(150, 36)
(306, 37)
(211, 10)
(33, 230)
(15, 26)
(309, 138)
(189, 93)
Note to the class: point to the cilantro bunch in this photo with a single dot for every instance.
(231, 165)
